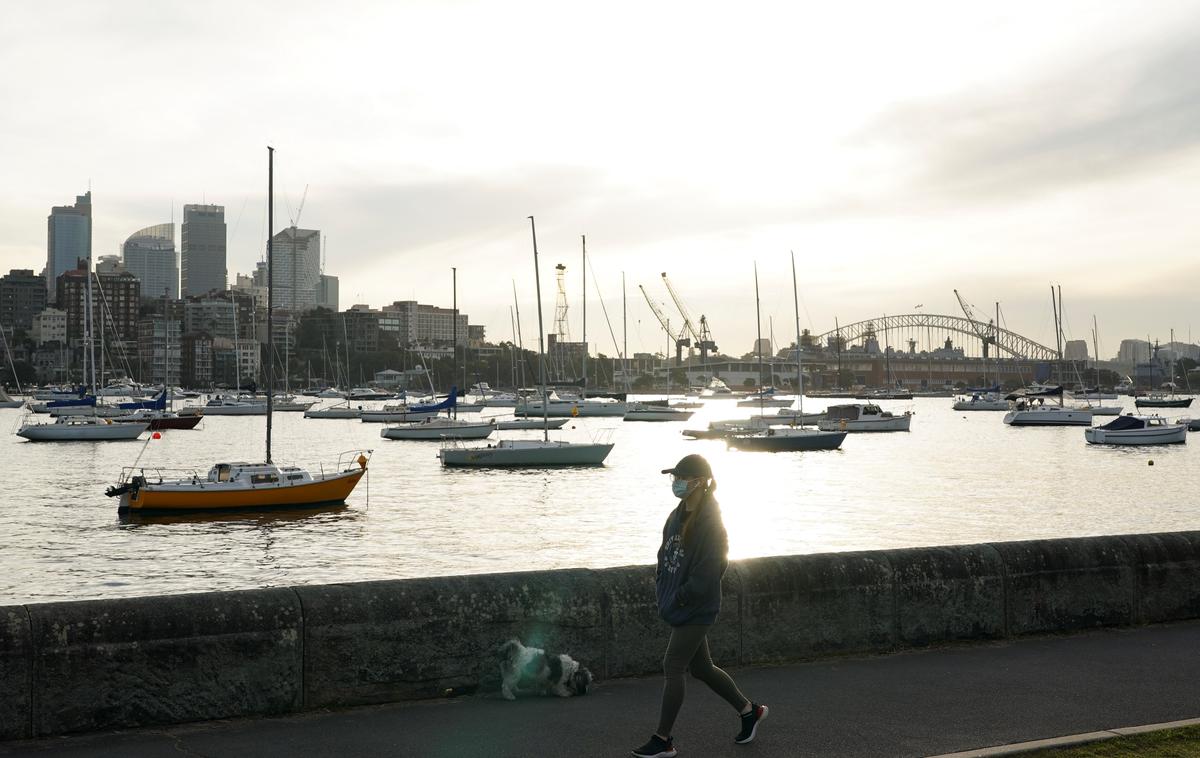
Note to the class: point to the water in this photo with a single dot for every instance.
(955, 478)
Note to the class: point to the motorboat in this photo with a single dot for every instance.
(290, 403)
(331, 392)
(438, 429)
(518, 453)
(657, 413)
(988, 401)
(1192, 424)
(228, 405)
(1029, 408)
(557, 407)
(367, 393)
(82, 429)
(784, 439)
(339, 410)
(532, 423)
(689, 405)
(765, 399)
(123, 389)
(886, 394)
(1162, 400)
(239, 486)
(8, 402)
(863, 417)
(717, 389)
(1137, 430)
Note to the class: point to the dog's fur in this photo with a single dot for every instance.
(531, 669)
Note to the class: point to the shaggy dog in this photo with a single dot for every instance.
(531, 669)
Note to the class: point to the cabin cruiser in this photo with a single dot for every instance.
(1030, 409)
(863, 417)
(1137, 430)
(988, 401)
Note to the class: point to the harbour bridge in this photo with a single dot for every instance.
(922, 327)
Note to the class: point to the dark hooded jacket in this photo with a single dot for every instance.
(688, 576)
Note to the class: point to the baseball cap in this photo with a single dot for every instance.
(690, 467)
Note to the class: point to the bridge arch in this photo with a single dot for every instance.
(1005, 340)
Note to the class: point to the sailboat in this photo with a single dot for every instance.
(781, 439)
(5, 400)
(438, 427)
(1099, 409)
(523, 453)
(86, 426)
(238, 485)
(662, 411)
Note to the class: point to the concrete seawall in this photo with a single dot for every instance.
(99, 664)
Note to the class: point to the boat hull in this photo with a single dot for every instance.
(533, 455)
(773, 441)
(1163, 435)
(564, 410)
(1146, 402)
(657, 414)
(892, 424)
(235, 410)
(428, 432)
(334, 413)
(1048, 418)
(532, 423)
(176, 499)
(88, 433)
(982, 405)
(398, 417)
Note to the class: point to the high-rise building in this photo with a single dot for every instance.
(417, 324)
(159, 350)
(1133, 351)
(68, 239)
(327, 292)
(22, 297)
(196, 361)
(202, 253)
(297, 269)
(115, 302)
(1075, 350)
(149, 254)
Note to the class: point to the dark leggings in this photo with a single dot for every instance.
(688, 650)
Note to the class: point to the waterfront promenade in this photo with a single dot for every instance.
(916, 703)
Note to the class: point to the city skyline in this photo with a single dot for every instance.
(995, 153)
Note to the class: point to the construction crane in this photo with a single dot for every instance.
(681, 340)
(987, 335)
(703, 337)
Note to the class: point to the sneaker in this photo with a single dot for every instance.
(750, 723)
(657, 747)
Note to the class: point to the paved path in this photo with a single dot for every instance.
(909, 704)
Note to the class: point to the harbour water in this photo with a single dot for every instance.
(955, 478)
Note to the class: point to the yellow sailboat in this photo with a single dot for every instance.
(243, 486)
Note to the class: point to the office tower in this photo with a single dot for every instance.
(149, 254)
(68, 239)
(297, 269)
(202, 253)
(327, 293)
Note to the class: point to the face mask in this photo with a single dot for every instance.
(680, 488)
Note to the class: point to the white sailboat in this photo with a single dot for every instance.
(1030, 409)
(794, 438)
(5, 400)
(530, 453)
(662, 411)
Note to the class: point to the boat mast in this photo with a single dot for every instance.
(537, 278)
(624, 336)
(799, 359)
(270, 292)
(583, 389)
(1096, 350)
(520, 340)
(758, 341)
(454, 364)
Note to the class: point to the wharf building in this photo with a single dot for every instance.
(202, 249)
(149, 254)
(22, 297)
(68, 239)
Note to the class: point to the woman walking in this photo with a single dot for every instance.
(691, 562)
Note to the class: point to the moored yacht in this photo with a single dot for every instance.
(863, 417)
(1030, 409)
(1137, 430)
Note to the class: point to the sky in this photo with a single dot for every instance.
(900, 150)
